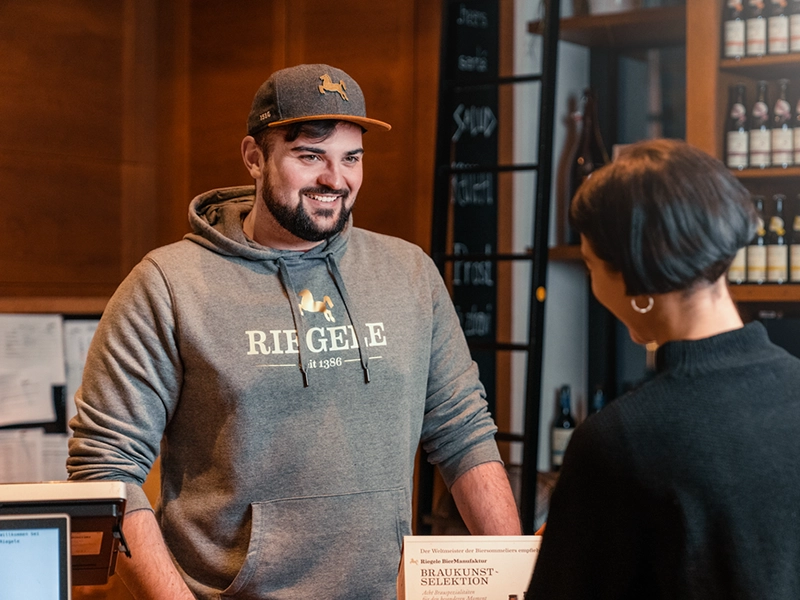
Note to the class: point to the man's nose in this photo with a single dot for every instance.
(332, 177)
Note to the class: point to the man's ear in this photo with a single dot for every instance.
(253, 157)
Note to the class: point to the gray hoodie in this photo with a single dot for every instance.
(287, 393)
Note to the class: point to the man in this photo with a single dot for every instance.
(288, 365)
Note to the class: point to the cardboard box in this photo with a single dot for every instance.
(466, 567)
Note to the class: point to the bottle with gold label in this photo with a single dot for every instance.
(777, 249)
(757, 250)
(737, 272)
(794, 243)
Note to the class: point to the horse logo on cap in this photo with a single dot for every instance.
(337, 88)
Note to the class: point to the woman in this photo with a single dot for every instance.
(688, 487)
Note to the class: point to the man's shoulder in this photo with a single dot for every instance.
(176, 252)
(371, 240)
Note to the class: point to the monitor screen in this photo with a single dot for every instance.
(34, 557)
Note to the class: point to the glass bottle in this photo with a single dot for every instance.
(760, 137)
(563, 427)
(590, 153)
(794, 243)
(737, 272)
(756, 30)
(782, 128)
(777, 250)
(796, 132)
(598, 401)
(794, 25)
(757, 250)
(733, 25)
(736, 136)
(778, 27)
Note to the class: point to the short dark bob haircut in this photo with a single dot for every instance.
(666, 215)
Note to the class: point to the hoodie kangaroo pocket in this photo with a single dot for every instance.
(336, 546)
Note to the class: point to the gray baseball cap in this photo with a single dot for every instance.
(309, 93)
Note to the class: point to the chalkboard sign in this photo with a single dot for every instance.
(471, 109)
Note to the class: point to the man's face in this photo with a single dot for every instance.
(310, 185)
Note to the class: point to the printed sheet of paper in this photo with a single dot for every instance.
(33, 341)
(78, 335)
(466, 567)
(31, 362)
(21, 455)
(55, 451)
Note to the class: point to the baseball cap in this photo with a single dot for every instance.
(309, 93)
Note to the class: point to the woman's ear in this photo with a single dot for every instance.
(253, 157)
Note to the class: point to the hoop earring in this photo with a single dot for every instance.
(646, 309)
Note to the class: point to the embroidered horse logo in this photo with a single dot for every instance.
(328, 86)
(307, 303)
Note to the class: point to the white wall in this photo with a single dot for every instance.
(565, 341)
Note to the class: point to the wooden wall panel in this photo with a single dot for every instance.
(60, 144)
(60, 78)
(233, 50)
(57, 210)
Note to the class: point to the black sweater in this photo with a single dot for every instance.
(688, 487)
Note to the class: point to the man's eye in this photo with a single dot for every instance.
(310, 157)
(352, 159)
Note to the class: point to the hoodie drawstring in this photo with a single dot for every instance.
(299, 324)
(362, 339)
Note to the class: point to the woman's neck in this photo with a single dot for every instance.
(701, 313)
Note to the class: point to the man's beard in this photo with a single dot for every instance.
(298, 222)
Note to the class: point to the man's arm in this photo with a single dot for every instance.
(484, 499)
(149, 574)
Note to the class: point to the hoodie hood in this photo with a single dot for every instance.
(216, 218)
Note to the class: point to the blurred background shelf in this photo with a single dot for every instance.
(641, 28)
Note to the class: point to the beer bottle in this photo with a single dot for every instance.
(778, 27)
(563, 427)
(737, 272)
(777, 250)
(794, 242)
(757, 250)
(756, 29)
(760, 137)
(782, 128)
(794, 25)
(590, 153)
(736, 136)
(733, 29)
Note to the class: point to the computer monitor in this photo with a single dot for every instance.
(96, 510)
(35, 557)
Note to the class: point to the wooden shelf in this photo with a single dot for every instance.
(641, 28)
(768, 173)
(763, 67)
(564, 254)
(768, 292)
(67, 305)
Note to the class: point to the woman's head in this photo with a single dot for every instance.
(665, 215)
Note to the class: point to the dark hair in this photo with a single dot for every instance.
(319, 130)
(664, 214)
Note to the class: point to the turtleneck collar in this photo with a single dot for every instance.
(690, 357)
